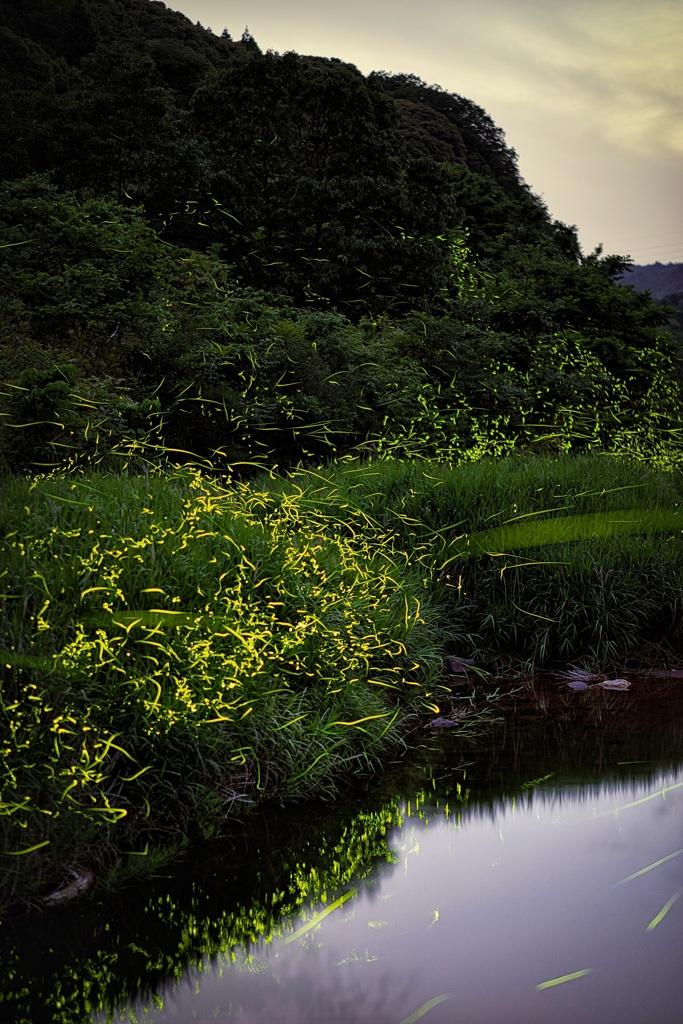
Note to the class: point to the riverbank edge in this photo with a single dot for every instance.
(427, 694)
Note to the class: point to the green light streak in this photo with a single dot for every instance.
(650, 867)
(664, 911)
(317, 918)
(565, 977)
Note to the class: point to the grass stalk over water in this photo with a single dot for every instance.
(177, 648)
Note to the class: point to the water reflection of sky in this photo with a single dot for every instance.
(483, 911)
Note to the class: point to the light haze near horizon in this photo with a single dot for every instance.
(588, 92)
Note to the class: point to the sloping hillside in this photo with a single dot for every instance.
(261, 257)
(660, 279)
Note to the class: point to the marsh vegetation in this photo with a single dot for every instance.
(178, 648)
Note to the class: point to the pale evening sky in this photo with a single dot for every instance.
(588, 92)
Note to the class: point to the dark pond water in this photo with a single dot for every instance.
(452, 889)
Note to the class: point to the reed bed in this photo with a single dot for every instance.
(178, 647)
(176, 650)
(539, 561)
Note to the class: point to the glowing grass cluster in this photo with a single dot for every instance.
(176, 648)
(541, 560)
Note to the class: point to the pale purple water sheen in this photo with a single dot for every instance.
(482, 911)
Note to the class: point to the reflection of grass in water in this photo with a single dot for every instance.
(95, 982)
(307, 887)
(658, 794)
(355, 958)
(425, 1008)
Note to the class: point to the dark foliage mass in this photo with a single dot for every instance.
(250, 255)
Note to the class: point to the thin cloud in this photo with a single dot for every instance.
(616, 66)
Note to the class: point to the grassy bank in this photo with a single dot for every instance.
(177, 648)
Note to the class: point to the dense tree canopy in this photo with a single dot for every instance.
(199, 238)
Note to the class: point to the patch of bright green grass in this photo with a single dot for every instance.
(535, 560)
(177, 648)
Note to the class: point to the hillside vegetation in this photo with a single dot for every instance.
(266, 258)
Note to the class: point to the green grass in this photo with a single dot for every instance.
(176, 651)
(177, 648)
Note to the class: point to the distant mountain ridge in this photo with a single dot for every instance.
(661, 279)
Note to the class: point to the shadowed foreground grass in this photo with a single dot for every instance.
(177, 648)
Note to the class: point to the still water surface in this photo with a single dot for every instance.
(451, 891)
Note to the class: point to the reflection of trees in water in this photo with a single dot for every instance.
(311, 992)
(236, 901)
(550, 743)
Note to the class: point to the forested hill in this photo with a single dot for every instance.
(186, 219)
(42, 37)
(309, 159)
(660, 279)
